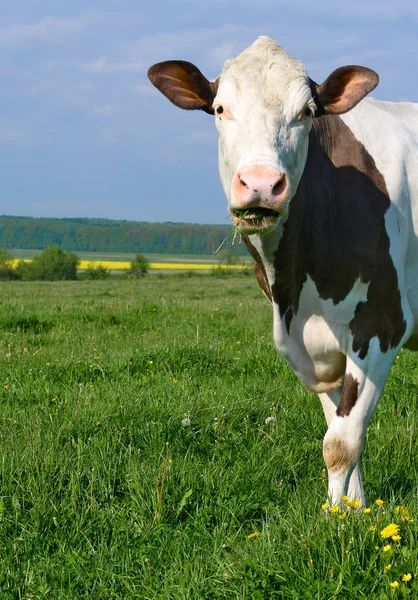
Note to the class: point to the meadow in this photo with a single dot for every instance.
(155, 446)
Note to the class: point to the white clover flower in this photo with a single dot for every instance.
(186, 421)
(270, 420)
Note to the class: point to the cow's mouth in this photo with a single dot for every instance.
(254, 220)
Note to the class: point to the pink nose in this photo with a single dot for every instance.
(259, 187)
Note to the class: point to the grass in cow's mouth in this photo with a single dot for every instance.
(256, 215)
(234, 232)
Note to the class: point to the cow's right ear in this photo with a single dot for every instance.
(183, 84)
(343, 89)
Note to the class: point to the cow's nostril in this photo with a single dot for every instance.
(279, 186)
(242, 182)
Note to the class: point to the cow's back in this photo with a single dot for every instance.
(407, 112)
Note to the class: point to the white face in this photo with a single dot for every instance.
(263, 111)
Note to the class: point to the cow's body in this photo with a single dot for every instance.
(328, 208)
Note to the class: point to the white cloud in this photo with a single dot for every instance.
(208, 47)
(48, 29)
(218, 54)
(103, 65)
(211, 45)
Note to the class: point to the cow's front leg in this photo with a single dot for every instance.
(363, 383)
(330, 402)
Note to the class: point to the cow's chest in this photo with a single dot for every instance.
(316, 342)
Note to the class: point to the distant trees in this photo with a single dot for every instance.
(95, 272)
(6, 267)
(139, 266)
(102, 235)
(53, 264)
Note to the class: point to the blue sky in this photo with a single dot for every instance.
(82, 131)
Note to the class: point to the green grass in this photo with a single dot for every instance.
(105, 494)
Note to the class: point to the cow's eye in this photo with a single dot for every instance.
(307, 112)
(222, 113)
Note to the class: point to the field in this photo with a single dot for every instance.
(117, 261)
(127, 256)
(154, 446)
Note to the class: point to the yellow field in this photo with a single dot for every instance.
(114, 265)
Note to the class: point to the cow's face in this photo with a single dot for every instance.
(264, 104)
(263, 113)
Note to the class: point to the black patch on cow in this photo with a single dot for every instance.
(348, 397)
(336, 234)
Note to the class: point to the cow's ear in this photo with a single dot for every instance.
(183, 84)
(343, 89)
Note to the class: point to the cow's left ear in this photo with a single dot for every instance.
(183, 84)
(343, 89)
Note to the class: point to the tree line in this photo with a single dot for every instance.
(105, 235)
(55, 264)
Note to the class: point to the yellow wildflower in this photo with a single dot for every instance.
(98, 423)
(343, 515)
(394, 584)
(387, 548)
(406, 577)
(354, 503)
(404, 514)
(367, 511)
(388, 567)
(379, 502)
(390, 530)
(345, 498)
(150, 362)
(396, 538)
(325, 506)
(334, 509)
(372, 528)
(253, 535)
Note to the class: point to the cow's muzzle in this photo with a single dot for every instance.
(258, 198)
(255, 220)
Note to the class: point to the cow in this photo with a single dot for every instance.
(322, 184)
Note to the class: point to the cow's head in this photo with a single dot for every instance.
(264, 103)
